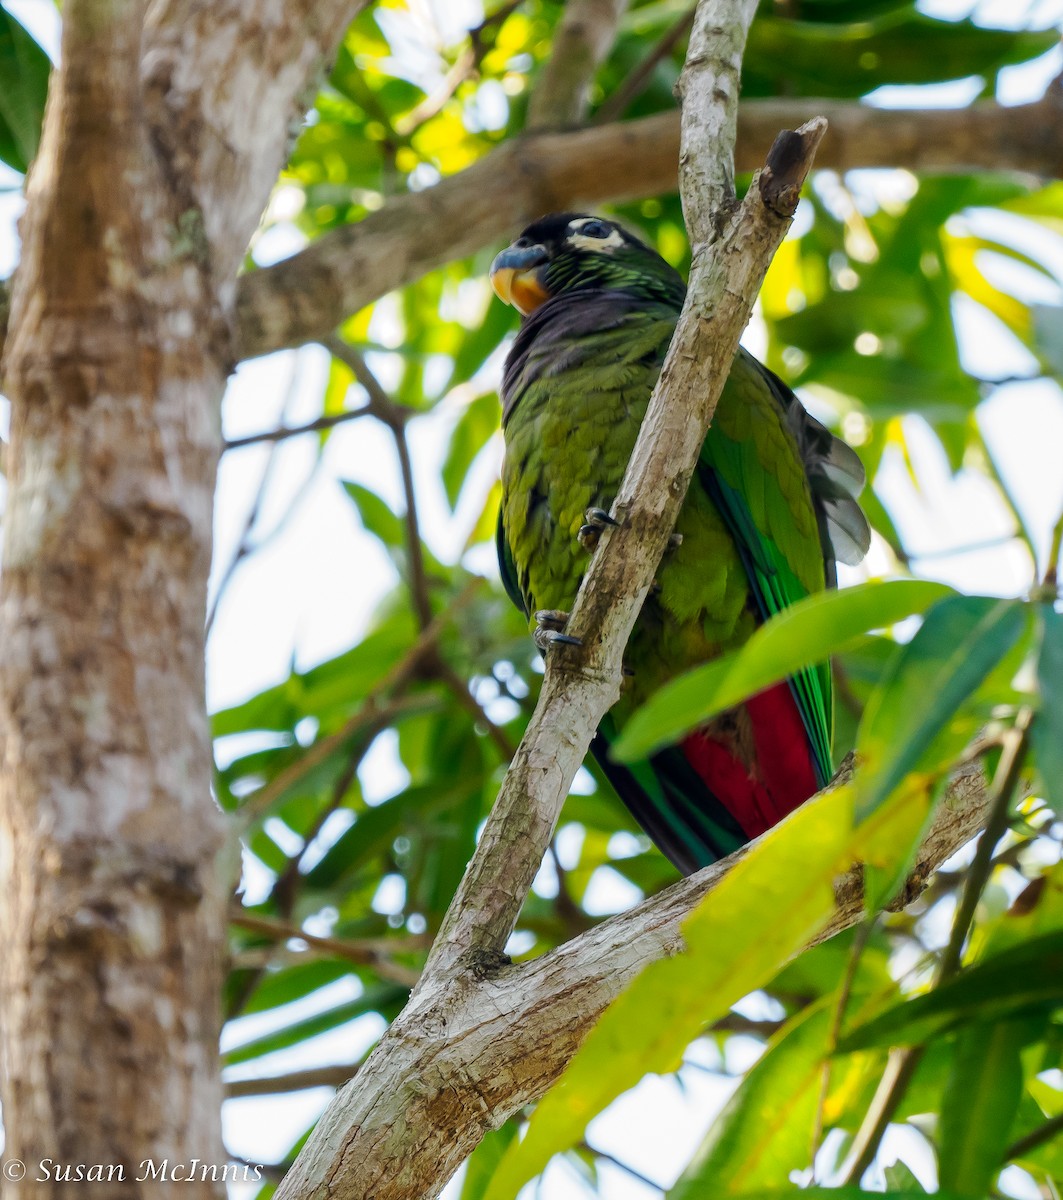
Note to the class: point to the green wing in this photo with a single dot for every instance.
(507, 568)
(752, 467)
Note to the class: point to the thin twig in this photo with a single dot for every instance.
(993, 470)
(434, 104)
(244, 545)
(395, 417)
(605, 1156)
(582, 42)
(994, 543)
(841, 1003)
(1050, 583)
(290, 431)
(418, 581)
(297, 1081)
(355, 952)
(461, 691)
(635, 84)
(1036, 1137)
(379, 708)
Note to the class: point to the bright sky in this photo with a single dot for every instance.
(311, 591)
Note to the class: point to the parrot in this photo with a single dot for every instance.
(770, 511)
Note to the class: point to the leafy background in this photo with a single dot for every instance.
(370, 679)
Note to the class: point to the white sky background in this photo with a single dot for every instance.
(310, 593)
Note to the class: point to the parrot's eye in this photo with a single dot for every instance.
(522, 243)
(594, 229)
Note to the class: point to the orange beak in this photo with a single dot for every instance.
(516, 276)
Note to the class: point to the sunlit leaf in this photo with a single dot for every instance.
(766, 1129)
(1019, 981)
(959, 643)
(806, 633)
(760, 912)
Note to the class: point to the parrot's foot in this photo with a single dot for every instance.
(549, 629)
(597, 521)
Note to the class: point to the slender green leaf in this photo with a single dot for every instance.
(377, 515)
(959, 643)
(1024, 979)
(484, 1161)
(471, 433)
(842, 1193)
(766, 1129)
(899, 1177)
(978, 1108)
(386, 999)
(1046, 732)
(806, 633)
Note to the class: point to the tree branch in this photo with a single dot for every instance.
(306, 296)
(372, 954)
(296, 1081)
(584, 37)
(222, 145)
(463, 1058)
(378, 710)
(637, 82)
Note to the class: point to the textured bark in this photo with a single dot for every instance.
(113, 863)
(306, 296)
(584, 37)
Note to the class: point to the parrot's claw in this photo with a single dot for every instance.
(674, 540)
(596, 520)
(549, 629)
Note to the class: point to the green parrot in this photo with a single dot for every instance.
(770, 509)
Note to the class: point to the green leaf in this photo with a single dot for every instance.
(842, 1193)
(766, 1129)
(807, 633)
(1024, 979)
(1046, 732)
(24, 71)
(293, 983)
(377, 515)
(959, 643)
(484, 1160)
(899, 1177)
(979, 1104)
(902, 48)
(387, 999)
(761, 912)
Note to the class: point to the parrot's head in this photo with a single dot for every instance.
(567, 253)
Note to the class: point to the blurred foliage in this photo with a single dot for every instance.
(24, 74)
(860, 311)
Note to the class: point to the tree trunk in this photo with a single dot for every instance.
(151, 176)
(112, 930)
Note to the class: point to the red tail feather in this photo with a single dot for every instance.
(783, 774)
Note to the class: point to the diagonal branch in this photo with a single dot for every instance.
(584, 37)
(306, 296)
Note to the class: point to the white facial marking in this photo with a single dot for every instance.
(585, 242)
